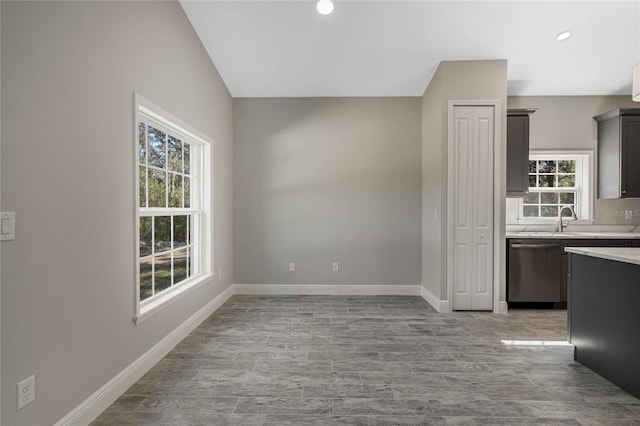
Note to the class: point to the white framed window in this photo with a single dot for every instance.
(173, 214)
(557, 179)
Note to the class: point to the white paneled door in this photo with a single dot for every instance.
(472, 208)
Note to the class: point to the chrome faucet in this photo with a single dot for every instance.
(573, 217)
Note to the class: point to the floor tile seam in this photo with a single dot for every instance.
(637, 413)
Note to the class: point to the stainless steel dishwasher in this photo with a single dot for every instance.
(535, 271)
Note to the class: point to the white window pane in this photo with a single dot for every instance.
(146, 277)
(157, 188)
(566, 166)
(547, 166)
(187, 192)
(547, 181)
(157, 148)
(146, 241)
(180, 230)
(187, 158)
(174, 146)
(162, 233)
(549, 211)
(532, 198)
(567, 181)
(567, 198)
(162, 275)
(175, 190)
(180, 272)
(142, 186)
(142, 143)
(549, 198)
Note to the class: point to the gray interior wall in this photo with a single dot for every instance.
(566, 122)
(434, 188)
(457, 80)
(69, 70)
(319, 180)
(0, 210)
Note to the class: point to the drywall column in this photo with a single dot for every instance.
(463, 80)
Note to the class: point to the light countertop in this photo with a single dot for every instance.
(574, 235)
(621, 254)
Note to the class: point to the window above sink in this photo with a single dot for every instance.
(556, 179)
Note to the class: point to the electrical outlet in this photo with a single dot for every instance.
(292, 267)
(335, 267)
(26, 391)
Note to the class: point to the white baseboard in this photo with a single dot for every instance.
(503, 308)
(328, 289)
(442, 306)
(93, 406)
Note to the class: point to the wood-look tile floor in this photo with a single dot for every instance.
(370, 360)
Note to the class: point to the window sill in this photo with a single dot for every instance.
(148, 309)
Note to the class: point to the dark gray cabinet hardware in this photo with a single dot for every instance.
(535, 246)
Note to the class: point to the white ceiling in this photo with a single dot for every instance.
(392, 48)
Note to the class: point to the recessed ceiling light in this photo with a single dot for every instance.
(564, 35)
(324, 7)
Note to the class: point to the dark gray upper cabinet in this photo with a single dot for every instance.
(518, 152)
(619, 153)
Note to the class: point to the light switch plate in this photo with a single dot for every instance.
(7, 226)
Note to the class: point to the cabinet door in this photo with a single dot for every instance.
(517, 155)
(630, 157)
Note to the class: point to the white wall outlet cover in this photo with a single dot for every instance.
(26, 391)
(335, 267)
(292, 266)
(7, 226)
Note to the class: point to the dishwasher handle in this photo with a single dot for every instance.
(535, 246)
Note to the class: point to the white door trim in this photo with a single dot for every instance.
(497, 153)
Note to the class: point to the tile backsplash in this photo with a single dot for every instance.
(617, 211)
(611, 211)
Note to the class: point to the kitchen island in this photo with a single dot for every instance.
(604, 319)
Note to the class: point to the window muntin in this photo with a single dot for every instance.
(173, 240)
(164, 180)
(556, 179)
(552, 184)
